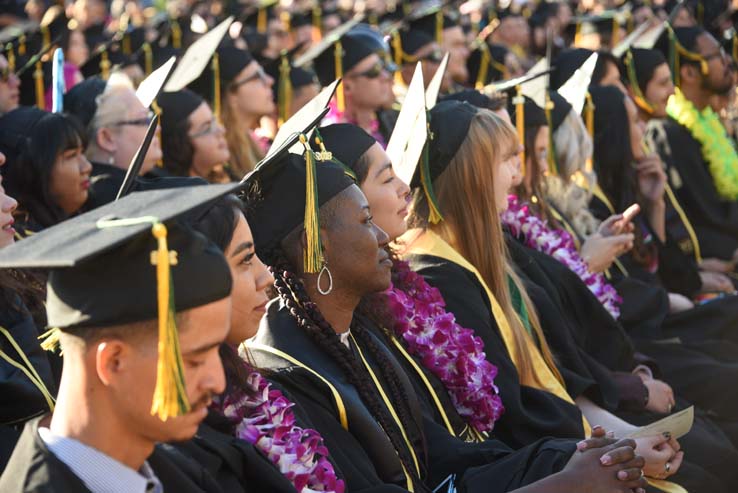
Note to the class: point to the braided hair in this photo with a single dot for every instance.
(291, 290)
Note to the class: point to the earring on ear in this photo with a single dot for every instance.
(330, 280)
(111, 160)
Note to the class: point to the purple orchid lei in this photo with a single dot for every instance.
(264, 418)
(559, 244)
(451, 352)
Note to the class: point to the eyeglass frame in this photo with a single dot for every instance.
(259, 74)
(212, 128)
(139, 122)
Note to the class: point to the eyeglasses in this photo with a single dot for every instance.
(213, 127)
(259, 74)
(140, 122)
(378, 69)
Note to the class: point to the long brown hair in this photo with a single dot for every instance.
(473, 227)
(245, 152)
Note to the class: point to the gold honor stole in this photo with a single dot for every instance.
(429, 243)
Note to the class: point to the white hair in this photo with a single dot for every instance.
(109, 108)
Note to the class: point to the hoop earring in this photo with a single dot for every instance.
(330, 280)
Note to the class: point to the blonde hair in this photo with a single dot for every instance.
(245, 152)
(473, 227)
(573, 147)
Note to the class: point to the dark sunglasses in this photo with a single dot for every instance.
(378, 69)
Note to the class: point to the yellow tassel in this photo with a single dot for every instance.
(38, 76)
(261, 21)
(317, 24)
(176, 34)
(285, 90)
(170, 395)
(520, 124)
(50, 340)
(313, 257)
(105, 65)
(10, 54)
(589, 120)
(148, 58)
(216, 85)
(45, 35)
(548, 108)
(22, 45)
(615, 32)
(338, 56)
(483, 66)
(578, 34)
(397, 48)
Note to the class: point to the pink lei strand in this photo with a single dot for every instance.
(265, 419)
(557, 243)
(450, 352)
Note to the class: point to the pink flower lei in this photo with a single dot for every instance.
(451, 352)
(264, 418)
(557, 243)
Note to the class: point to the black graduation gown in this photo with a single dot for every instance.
(21, 399)
(106, 180)
(530, 413)
(33, 468)
(709, 451)
(235, 464)
(363, 453)
(715, 220)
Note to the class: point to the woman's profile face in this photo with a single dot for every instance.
(7, 206)
(388, 196)
(354, 246)
(207, 137)
(503, 174)
(636, 128)
(251, 279)
(70, 180)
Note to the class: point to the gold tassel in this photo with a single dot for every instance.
(520, 124)
(176, 34)
(483, 66)
(589, 117)
(45, 36)
(578, 34)
(338, 58)
(313, 257)
(10, 54)
(397, 48)
(615, 32)
(50, 340)
(317, 24)
(148, 58)
(216, 85)
(22, 45)
(105, 65)
(170, 394)
(38, 76)
(548, 108)
(284, 96)
(126, 44)
(261, 21)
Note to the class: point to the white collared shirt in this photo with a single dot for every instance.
(98, 471)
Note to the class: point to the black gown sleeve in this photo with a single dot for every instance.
(530, 413)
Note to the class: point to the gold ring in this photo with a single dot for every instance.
(667, 466)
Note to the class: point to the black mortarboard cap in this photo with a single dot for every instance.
(431, 20)
(534, 116)
(277, 197)
(14, 127)
(81, 100)
(405, 43)
(231, 61)
(449, 127)
(561, 108)
(566, 63)
(486, 63)
(644, 62)
(176, 107)
(473, 97)
(346, 142)
(117, 265)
